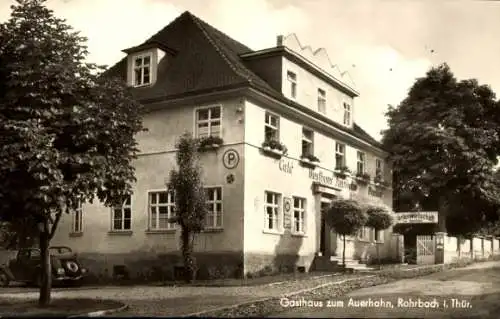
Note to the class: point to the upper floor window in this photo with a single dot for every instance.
(77, 221)
(339, 155)
(214, 207)
(292, 82)
(307, 142)
(271, 127)
(272, 211)
(321, 101)
(161, 210)
(361, 165)
(208, 121)
(122, 216)
(142, 70)
(347, 114)
(378, 166)
(299, 215)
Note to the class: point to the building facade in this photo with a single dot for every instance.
(286, 117)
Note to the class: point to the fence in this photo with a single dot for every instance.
(475, 248)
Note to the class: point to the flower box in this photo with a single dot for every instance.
(343, 172)
(363, 178)
(210, 143)
(274, 148)
(309, 160)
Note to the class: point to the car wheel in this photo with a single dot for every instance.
(4, 280)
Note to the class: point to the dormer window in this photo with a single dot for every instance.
(142, 70)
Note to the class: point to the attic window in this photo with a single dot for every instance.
(142, 70)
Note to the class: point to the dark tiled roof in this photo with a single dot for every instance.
(207, 60)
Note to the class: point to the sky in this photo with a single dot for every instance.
(384, 44)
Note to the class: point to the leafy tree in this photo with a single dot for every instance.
(444, 141)
(347, 218)
(67, 134)
(190, 199)
(379, 218)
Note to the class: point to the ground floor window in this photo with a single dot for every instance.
(299, 215)
(379, 235)
(161, 210)
(122, 216)
(214, 208)
(77, 220)
(364, 233)
(272, 211)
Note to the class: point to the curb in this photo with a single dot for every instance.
(195, 314)
(100, 313)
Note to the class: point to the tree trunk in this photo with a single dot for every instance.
(46, 271)
(343, 252)
(187, 254)
(377, 248)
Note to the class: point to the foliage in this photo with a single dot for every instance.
(310, 157)
(379, 217)
(210, 141)
(444, 141)
(346, 217)
(275, 145)
(190, 199)
(66, 132)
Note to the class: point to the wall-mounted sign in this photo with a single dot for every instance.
(230, 178)
(328, 179)
(417, 218)
(287, 218)
(231, 159)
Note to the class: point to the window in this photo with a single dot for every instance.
(271, 127)
(378, 166)
(214, 207)
(364, 233)
(122, 216)
(321, 101)
(161, 210)
(208, 121)
(142, 70)
(379, 236)
(77, 222)
(299, 215)
(307, 142)
(339, 155)
(292, 81)
(361, 163)
(272, 211)
(347, 114)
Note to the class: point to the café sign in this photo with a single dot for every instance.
(417, 218)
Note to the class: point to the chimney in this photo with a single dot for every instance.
(279, 41)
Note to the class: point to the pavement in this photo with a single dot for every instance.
(471, 292)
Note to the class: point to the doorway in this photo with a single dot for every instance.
(324, 232)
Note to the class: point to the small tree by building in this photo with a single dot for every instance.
(190, 199)
(347, 217)
(379, 218)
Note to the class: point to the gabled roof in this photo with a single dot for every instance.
(204, 59)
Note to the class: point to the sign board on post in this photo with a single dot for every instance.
(417, 218)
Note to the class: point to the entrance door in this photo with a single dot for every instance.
(426, 250)
(324, 232)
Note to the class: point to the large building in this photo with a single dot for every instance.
(265, 198)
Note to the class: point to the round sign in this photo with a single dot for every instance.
(231, 159)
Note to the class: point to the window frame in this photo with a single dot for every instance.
(123, 207)
(364, 234)
(347, 119)
(170, 208)
(269, 125)
(321, 101)
(302, 219)
(378, 236)
(305, 139)
(343, 164)
(142, 56)
(379, 166)
(278, 205)
(214, 212)
(291, 78)
(209, 121)
(76, 212)
(362, 162)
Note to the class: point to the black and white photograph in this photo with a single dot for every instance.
(250, 158)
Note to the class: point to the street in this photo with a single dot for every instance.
(471, 292)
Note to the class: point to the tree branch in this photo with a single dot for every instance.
(54, 225)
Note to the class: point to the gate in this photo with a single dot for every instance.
(426, 250)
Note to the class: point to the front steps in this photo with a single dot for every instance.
(334, 264)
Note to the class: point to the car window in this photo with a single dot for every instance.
(35, 253)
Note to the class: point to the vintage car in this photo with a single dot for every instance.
(26, 267)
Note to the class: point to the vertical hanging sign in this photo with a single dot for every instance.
(287, 208)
